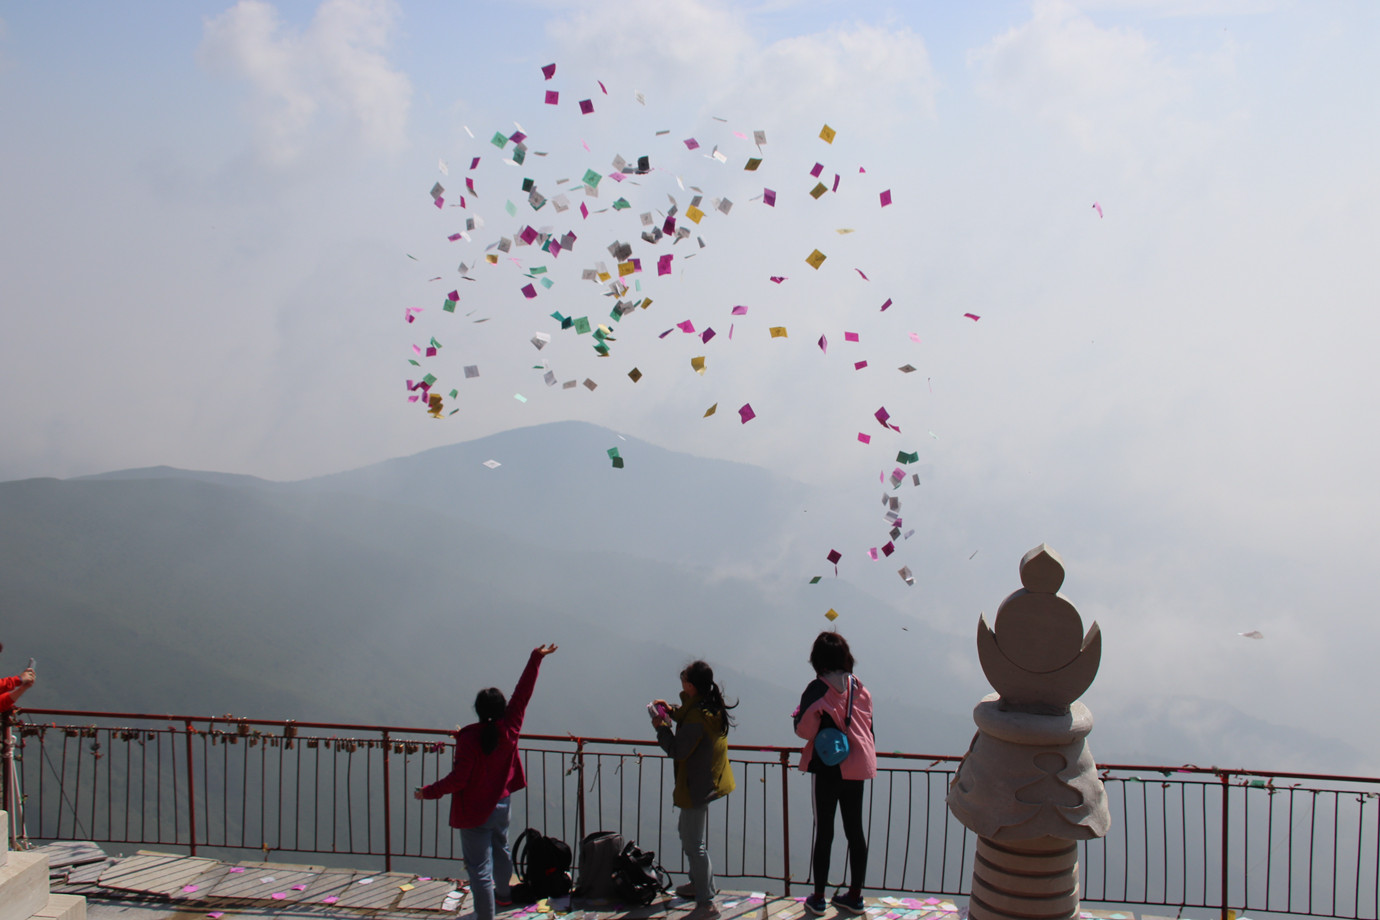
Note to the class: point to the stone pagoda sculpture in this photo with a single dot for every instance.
(1028, 786)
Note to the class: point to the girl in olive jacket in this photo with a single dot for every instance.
(699, 747)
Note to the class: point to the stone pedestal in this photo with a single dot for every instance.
(1028, 785)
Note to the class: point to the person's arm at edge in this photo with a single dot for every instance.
(814, 692)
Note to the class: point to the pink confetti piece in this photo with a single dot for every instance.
(431, 351)
(882, 419)
(602, 86)
(455, 236)
(691, 143)
(663, 266)
(885, 305)
(189, 888)
(553, 97)
(215, 915)
(730, 332)
(618, 176)
(769, 197)
(834, 556)
(819, 168)
(973, 316)
(529, 291)
(740, 310)
(474, 162)
(469, 184)
(584, 211)
(686, 326)
(586, 106)
(1098, 208)
(859, 365)
(824, 344)
(886, 197)
(708, 334)
(865, 438)
(872, 553)
(278, 896)
(850, 336)
(888, 548)
(777, 279)
(439, 202)
(861, 272)
(517, 137)
(454, 295)
(528, 236)
(241, 868)
(329, 899)
(746, 414)
(836, 183)
(915, 337)
(548, 71)
(299, 887)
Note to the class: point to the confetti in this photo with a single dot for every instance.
(746, 414)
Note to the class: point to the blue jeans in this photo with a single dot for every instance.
(694, 840)
(488, 860)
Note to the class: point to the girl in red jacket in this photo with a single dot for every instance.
(486, 771)
(837, 699)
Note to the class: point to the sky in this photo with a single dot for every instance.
(218, 215)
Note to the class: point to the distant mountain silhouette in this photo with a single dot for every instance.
(391, 594)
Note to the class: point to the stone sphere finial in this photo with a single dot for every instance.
(1035, 654)
(1042, 571)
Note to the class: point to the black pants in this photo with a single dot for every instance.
(832, 791)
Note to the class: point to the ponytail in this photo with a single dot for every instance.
(490, 705)
(700, 675)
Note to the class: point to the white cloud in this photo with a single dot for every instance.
(1107, 87)
(304, 79)
(709, 54)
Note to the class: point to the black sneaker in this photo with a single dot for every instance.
(815, 906)
(849, 903)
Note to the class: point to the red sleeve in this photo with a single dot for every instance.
(517, 703)
(459, 775)
(9, 683)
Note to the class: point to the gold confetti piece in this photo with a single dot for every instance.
(778, 332)
(710, 411)
(831, 615)
(698, 365)
(816, 259)
(694, 214)
(635, 374)
(818, 190)
(826, 134)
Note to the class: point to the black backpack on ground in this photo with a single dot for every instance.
(599, 853)
(638, 877)
(543, 866)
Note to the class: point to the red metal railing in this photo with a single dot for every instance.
(1182, 836)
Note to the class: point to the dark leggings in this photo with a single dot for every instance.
(847, 795)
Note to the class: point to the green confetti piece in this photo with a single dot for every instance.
(499, 140)
(539, 270)
(519, 154)
(912, 457)
(519, 397)
(592, 178)
(414, 362)
(613, 452)
(621, 204)
(557, 317)
(602, 349)
(618, 463)
(448, 306)
(527, 185)
(434, 343)
(454, 394)
(582, 325)
(429, 379)
(511, 209)
(547, 283)
(815, 580)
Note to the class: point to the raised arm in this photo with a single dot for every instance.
(522, 693)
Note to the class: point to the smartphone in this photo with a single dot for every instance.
(31, 664)
(651, 710)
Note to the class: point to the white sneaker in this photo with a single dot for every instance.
(706, 911)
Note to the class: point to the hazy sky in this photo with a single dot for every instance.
(208, 211)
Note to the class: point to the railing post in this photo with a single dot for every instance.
(1226, 789)
(387, 808)
(6, 764)
(785, 823)
(580, 793)
(191, 789)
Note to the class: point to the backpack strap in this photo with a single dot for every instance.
(848, 721)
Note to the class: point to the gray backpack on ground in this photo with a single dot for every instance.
(599, 854)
